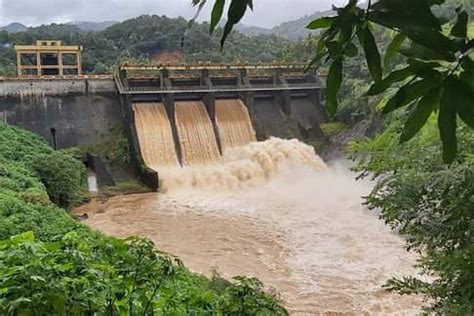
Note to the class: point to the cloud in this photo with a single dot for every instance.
(35, 12)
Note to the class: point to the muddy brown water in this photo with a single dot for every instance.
(302, 232)
(270, 209)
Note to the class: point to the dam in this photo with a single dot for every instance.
(205, 111)
(173, 115)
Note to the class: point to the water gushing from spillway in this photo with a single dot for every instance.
(233, 124)
(269, 209)
(196, 133)
(155, 135)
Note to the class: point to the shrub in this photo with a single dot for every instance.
(62, 175)
(431, 204)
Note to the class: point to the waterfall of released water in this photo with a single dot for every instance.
(244, 162)
(196, 133)
(233, 124)
(155, 135)
(252, 164)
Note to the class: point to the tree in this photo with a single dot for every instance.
(438, 77)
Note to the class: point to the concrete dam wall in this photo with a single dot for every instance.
(77, 112)
(170, 119)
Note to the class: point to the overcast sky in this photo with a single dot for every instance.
(267, 13)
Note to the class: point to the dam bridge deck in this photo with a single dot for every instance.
(200, 78)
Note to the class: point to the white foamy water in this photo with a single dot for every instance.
(274, 210)
(244, 166)
(338, 252)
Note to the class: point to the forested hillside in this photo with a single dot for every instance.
(140, 39)
(296, 29)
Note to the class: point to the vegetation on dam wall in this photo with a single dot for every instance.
(52, 264)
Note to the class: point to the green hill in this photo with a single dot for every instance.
(141, 38)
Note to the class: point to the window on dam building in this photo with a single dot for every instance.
(48, 58)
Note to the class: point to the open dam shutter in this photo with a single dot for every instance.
(233, 124)
(155, 135)
(196, 133)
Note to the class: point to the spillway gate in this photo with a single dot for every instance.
(277, 100)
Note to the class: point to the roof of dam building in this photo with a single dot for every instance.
(48, 45)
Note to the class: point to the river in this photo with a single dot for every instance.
(303, 232)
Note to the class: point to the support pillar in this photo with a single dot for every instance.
(79, 64)
(248, 98)
(38, 63)
(60, 64)
(18, 63)
(209, 100)
(316, 97)
(284, 95)
(170, 110)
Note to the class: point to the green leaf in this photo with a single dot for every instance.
(463, 97)
(447, 121)
(421, 52)
(425, 69)
(466, 111)
(351, 50)
(393, 77)
(26, 236)
(234, 15)
(321, 51)
(216, 14)
(393, 48)
(332, 31)
(402, 13)
(435, 41)
(419, 65)
(409, 93)
(333, 83)
(320, 23)
(372, 54)
(334, 49)
(460, 28)
(420, 115)
(467, 76)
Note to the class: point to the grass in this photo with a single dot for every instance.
(333, 128)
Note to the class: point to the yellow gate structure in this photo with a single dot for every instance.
(48, 58)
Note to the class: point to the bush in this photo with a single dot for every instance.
(63, 176)
(431, 204)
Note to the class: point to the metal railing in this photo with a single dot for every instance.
(223, 88)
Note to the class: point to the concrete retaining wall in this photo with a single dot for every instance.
(82, 112)
(55, 87)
